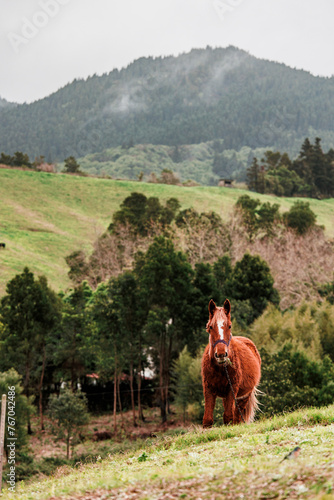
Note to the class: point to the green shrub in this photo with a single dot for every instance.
(68, 412)
(291, 380)
(187, 385)
(300, 217)
(309, 329)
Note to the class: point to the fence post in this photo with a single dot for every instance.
(2, 435)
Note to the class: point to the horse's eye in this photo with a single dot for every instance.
(210, 327)
(230, 327)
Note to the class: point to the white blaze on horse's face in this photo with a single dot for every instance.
(219, 328)
(220, 336)
(221, 324)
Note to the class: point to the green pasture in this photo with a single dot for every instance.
(244, 461)
(44, 217)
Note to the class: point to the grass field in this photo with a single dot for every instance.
(44, 217)
(244, 461)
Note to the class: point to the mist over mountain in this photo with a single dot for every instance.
(200, 96)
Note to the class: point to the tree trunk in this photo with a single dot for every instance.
(27, 391)
(40, 391)
(72, 374)
(132, 395)
(119, 397)
(167, 382)
(163, 401)
(115, 395)
(68, 446)
(29, 429)
(140, 409)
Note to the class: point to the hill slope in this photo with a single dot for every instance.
(44, 217)
(195, 97)
(227, 462)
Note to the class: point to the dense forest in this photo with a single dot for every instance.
(310, 174)
(197, 97)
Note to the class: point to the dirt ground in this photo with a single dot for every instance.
(95, 438)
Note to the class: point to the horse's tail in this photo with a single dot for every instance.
(252, 405)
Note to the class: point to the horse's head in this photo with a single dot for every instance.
(219, 329)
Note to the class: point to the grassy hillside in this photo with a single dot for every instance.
(224, 462)
(44, 217)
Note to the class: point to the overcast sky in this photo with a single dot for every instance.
(45, 44)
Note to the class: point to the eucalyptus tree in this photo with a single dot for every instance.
(109, 342)
(69, 346)
(131, 318)
(165, 282)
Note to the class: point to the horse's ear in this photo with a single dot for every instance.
(227, 307)
(212, 308)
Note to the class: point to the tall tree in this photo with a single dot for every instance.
(165, 281)
(52, 305)
(30, 311)
(322, 170)
(68, 344)
(255, 177)
(130, 313)
(302, 165)
(252, 281)
(109, 342)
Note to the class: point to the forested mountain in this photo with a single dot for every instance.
(196, 97)
(5, 104)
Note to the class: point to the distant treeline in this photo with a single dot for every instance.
(310, 174)
(18, 159)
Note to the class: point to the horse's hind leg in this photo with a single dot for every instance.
(235, 413)
(248, 406)
(252, 405)
(243, 404)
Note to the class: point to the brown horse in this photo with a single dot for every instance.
(227, 357)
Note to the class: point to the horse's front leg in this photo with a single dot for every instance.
(209, 406)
